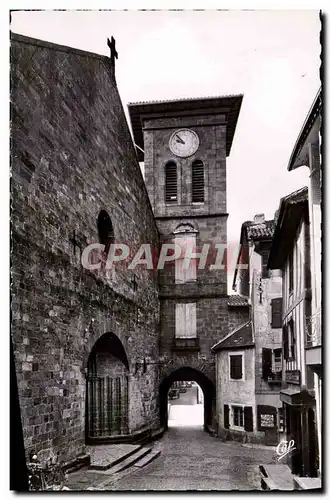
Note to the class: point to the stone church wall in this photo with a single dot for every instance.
(72, 156)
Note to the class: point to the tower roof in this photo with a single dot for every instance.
(228, 105)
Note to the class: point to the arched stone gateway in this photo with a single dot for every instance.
(107, 390)
(188, 374)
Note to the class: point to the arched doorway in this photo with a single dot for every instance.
(107, 390)
(188, 374)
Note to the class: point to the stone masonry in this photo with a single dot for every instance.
(72, 156)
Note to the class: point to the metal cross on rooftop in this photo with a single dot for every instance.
(113, 52)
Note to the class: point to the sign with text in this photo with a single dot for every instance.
(267, 420)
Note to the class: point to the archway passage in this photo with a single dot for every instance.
(188, 374)
(107, 389)
(185, 405)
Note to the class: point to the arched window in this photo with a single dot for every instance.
(105, 230)
(171, 181)
(198, 182)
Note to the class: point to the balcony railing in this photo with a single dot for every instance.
(185, 344)
(313, 329)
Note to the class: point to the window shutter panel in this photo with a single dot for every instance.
(265, 257)
(226, 416)
(248, 418)
(198, 182)
(285, 342)
(276, 313)
(266, 363)
(190, 315)
(180, 320)
(171, 182)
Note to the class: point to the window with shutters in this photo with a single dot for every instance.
(171, 182)
(237, 416)
(236, 366)
(198, 182)
(276, 313)
(241, 417)
(186, 320)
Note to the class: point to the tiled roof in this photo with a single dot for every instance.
(237, 301)
(291, 210)
(242, 336)
(261, 231)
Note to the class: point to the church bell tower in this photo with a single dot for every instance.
(184, 145)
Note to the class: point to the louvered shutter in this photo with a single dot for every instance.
(226, 416)
(276, 313)
(248, 418)
(171, 182)
(198, 182)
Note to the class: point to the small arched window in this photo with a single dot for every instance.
(171, 181)
(105, 230)
(198, 182)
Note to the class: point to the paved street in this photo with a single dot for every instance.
(186, 398)
(191, 459)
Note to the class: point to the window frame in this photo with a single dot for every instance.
(232, 413)
(237, 353)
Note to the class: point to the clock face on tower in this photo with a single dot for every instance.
(184, 142)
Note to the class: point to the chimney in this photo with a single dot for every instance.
(258, 219)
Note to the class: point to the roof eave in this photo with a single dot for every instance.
(232, 348)
(232, 103)
(311, 118)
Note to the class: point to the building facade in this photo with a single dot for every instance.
(235, 385)
(290, 252)
(306, 152)
(262, 289)
(185, 144)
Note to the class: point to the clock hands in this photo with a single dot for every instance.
(178, 139)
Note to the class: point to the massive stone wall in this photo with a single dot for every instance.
(72, 156)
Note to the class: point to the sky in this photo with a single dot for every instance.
(271, 56)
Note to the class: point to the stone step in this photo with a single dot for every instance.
(132, 460)
(147, 459)
(105, 457)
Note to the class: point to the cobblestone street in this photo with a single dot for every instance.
(191, 459)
